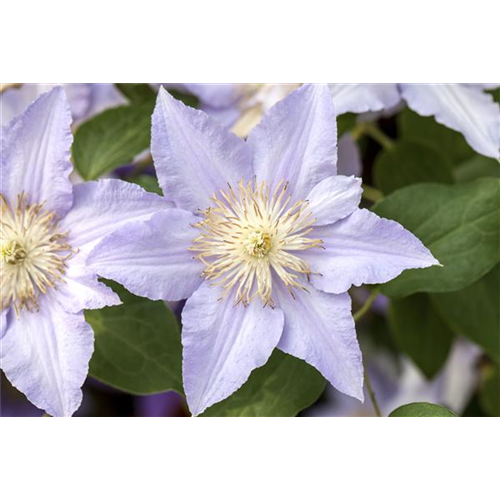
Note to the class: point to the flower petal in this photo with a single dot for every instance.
(35, 153)
(81, 289)
(463, 108)
(151, 258)
(194, 155)
(319, 329)
(364, 248)
(102, 207)
(334, 198)
(46, 354)
(4, 314)
(296, 140)
(223, 343)
(363, 97)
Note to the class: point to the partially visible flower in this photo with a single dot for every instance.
(240, 106)
(85, 99)
(265, 241)
(465, 108)
(47, 229)
(453, 387)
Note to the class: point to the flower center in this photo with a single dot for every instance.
(33, 253)
(249, 238)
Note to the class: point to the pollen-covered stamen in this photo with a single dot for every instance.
(249, 235)
(33, 253)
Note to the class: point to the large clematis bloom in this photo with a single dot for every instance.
(264, 242)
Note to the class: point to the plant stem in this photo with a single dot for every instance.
(371, 394)
(366, 306)
(375, 133)
(357, 316)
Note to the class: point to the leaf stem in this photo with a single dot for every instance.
(357, 316)
(366, 306)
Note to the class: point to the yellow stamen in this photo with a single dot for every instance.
(248, 238)
(33, 253)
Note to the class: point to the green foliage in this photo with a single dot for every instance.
(112, 138)
(475, 168)
(474, 312)
(282, 388)
(423, 417)
(458, 223)
(426, 129)
(419, 332)
(137, 346)
(137, 92)
(345, 122)
(148, 182)
(410, 162)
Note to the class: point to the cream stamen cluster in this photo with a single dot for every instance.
(250, 235)
(33, 253)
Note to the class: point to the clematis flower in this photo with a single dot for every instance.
(264, 242)
(47, 229)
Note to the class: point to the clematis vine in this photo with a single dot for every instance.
(264, 242)
(47, 229)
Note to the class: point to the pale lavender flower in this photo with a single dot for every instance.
(264, 242)
(47, 229)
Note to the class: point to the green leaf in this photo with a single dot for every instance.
(423, 417)
(489, 395)
(459, 224)
(111, 139)
(410, 162)
(282, 388)
(419, 332)
(137, 346)
(475, 168)
(148, 182)
(137, 92)
(426, 129)
(345, 122)
(474, 312)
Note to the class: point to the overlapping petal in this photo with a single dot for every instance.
(223, 343)
(151, 258)
(81, 289)
(102, 207)
(334, 198)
